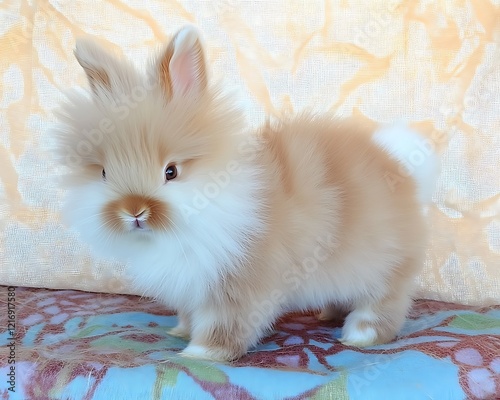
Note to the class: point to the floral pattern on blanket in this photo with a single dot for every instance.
(78, 345)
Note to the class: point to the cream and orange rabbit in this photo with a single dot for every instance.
(231, 230)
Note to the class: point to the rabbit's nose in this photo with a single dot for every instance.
(139, 214)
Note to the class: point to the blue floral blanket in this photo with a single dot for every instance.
(62, 344)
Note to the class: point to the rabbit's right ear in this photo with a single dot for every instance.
(96, 62)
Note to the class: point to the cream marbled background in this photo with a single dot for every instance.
(435, 64)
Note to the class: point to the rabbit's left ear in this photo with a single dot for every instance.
(182, 67)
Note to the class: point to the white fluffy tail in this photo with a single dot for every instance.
(416, 154)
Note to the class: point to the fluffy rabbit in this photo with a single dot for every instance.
(229, 229)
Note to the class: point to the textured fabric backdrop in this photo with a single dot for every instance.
(435, 64)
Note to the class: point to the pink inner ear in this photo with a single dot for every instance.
(184, 72)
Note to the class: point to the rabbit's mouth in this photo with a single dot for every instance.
(139, 226)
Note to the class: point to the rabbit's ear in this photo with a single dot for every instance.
(96, 62)
(182, 67)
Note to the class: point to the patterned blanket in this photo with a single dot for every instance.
(61, 344)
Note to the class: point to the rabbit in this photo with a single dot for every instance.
(233, 227)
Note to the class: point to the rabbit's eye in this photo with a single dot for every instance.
(103, 174)
(170, 172)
